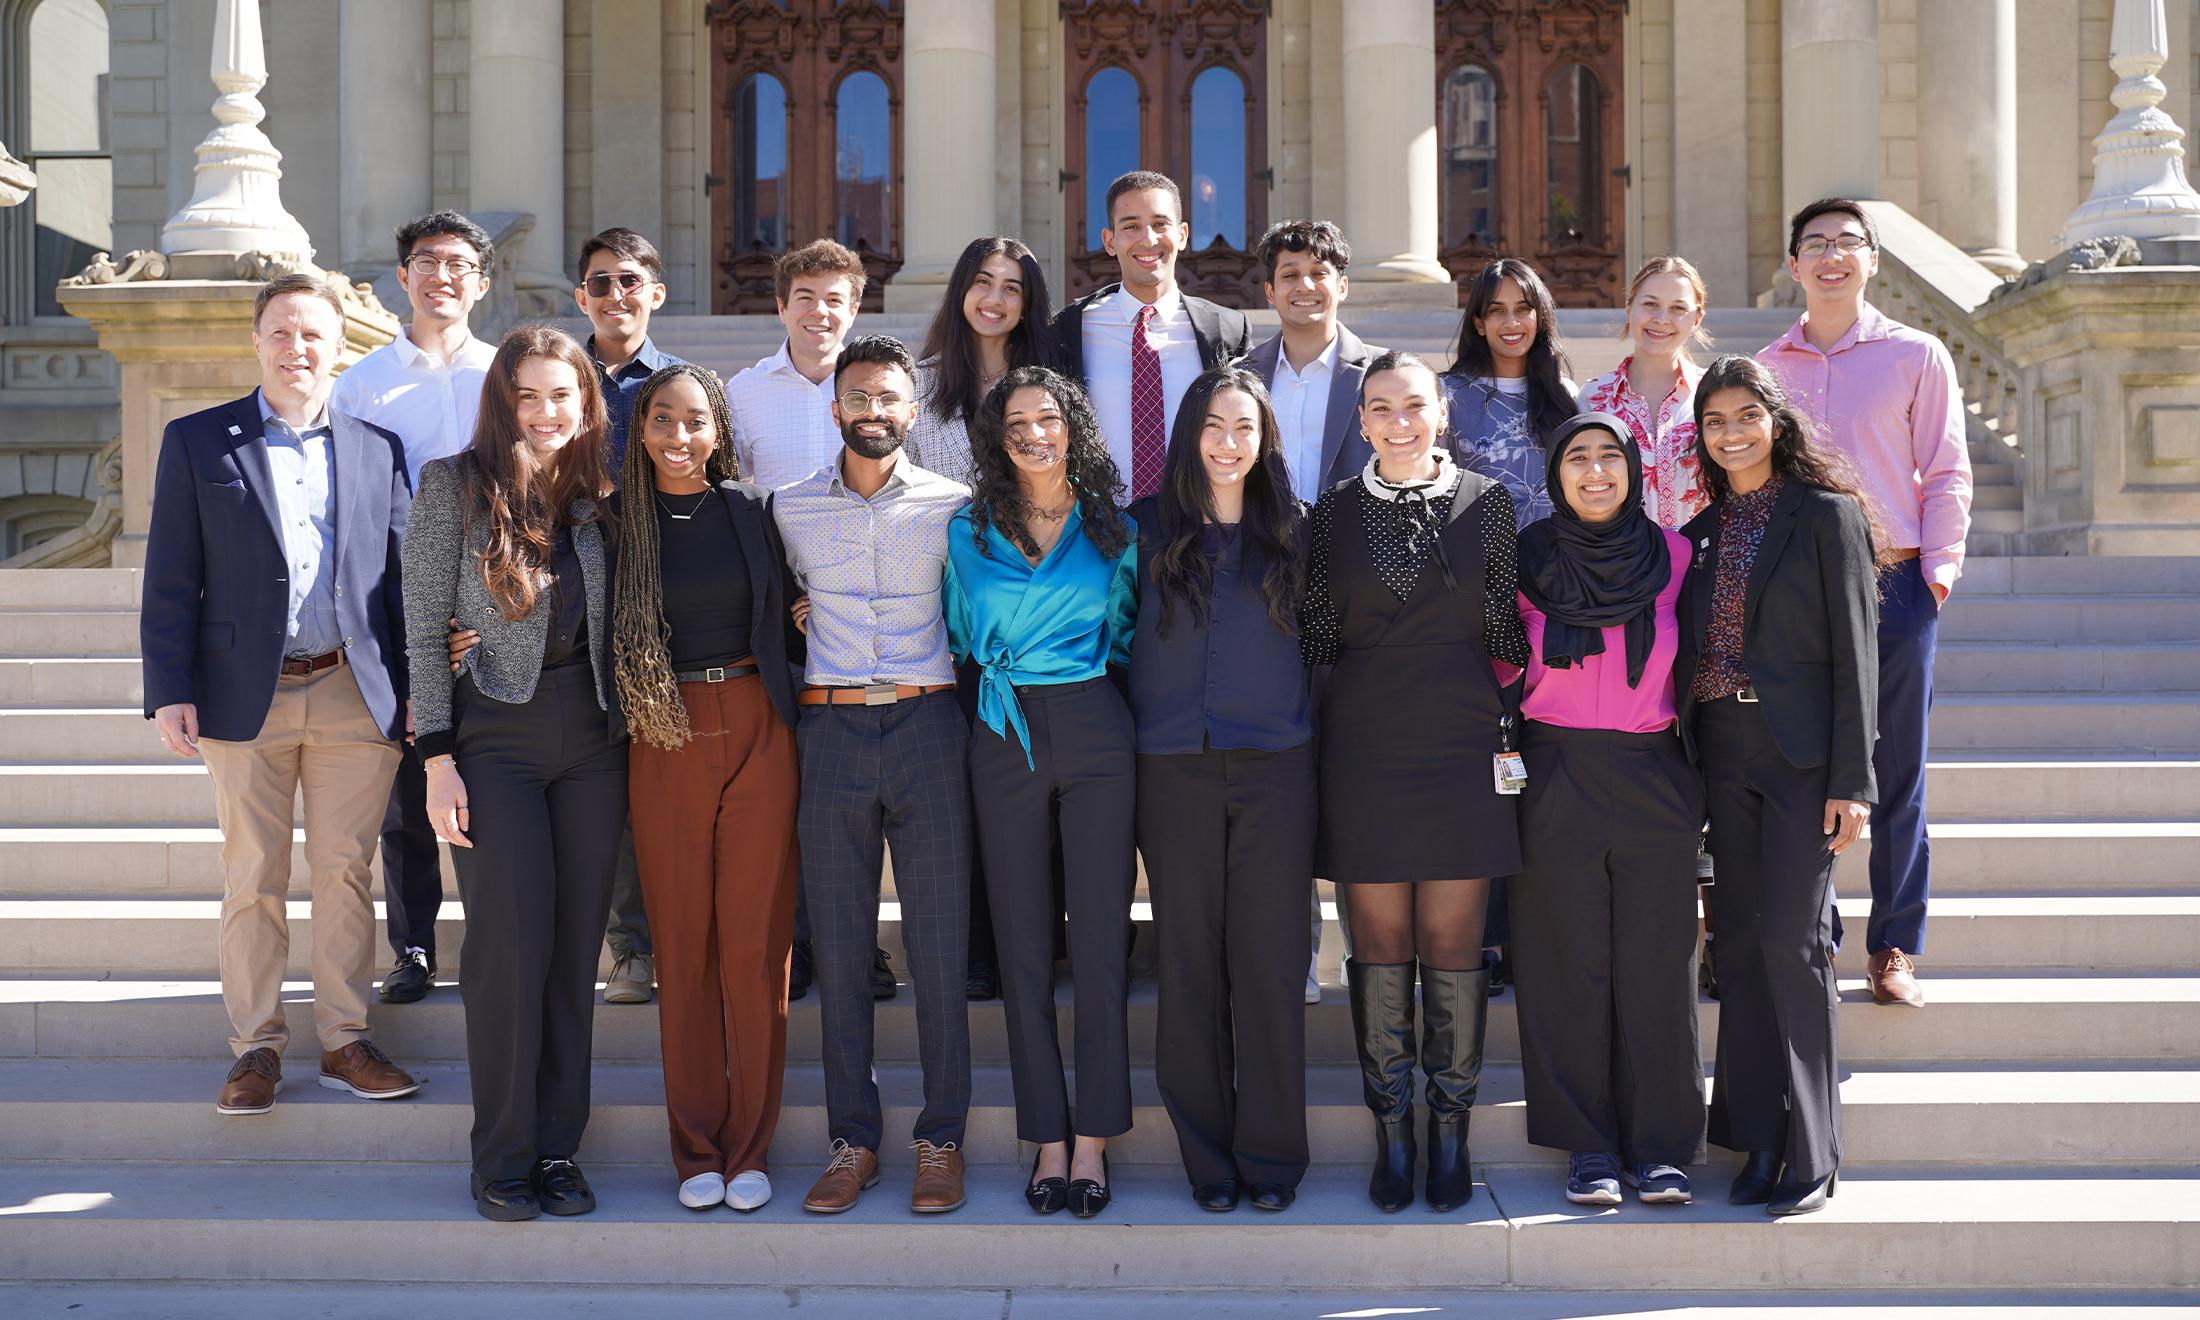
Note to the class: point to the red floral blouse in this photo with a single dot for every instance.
(1674, 487)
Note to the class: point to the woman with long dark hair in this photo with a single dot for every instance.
(1226, 791)
(1410, 596)
(992, 317)
(1040, 594)
(524, 749)
(1778, 683)
(1507, 388)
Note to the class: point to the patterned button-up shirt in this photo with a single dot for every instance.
(1672, 478)
(872, 569)
(1719, 671)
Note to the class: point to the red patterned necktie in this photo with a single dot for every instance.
(1149, 412)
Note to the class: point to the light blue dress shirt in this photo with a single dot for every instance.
(1063, 621)
(304, 471)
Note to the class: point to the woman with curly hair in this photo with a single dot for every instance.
(1041, 593)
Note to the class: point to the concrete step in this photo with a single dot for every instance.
(34, 633)
(2078, 1230)
(2102, 575)
(118, 681)
(2166, 723)
(2070, 668)
(161, 1111)
(2000, 1019)
(1996, 495)
(2070, 618)
(70, 588)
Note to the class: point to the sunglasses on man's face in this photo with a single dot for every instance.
(626, 281)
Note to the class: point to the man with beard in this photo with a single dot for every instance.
(882, 742)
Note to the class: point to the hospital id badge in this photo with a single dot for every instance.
(1510, 771)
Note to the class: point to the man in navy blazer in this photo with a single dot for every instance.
(272, 633)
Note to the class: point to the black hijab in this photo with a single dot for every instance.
(1587, 577)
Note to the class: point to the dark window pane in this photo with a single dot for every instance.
(1574, 149)
(759, 180)
(1111, 142)
(72, 206)
(1468, 123)
(863, 164)
(1219, 181)
(68, 78)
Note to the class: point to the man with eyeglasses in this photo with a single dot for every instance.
(1885, 395)
(622, 283)
(425, 387)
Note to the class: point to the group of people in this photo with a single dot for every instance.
(1053, 594)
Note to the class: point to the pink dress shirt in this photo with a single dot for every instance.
(1886, 396)
(1672, 479)
(1594, 694)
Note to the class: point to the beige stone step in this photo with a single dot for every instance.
(2067, 668)
(2125, 723)
(100, 681)
(26, 633)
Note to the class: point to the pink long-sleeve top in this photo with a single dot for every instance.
(1594, 694)
(1886, 396)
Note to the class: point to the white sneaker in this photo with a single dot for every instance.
(749, 1190)
(1313, 989)
(703, 1191)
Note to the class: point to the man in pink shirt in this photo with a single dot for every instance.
(1885, 395)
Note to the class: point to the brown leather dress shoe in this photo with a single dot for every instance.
(252, 1083)
(1894, 979)
(853, 1170)
(939, 1186)
(366, 1072)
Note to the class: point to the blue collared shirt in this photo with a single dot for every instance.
(1063, 621)
(304, 471)
(621, 385)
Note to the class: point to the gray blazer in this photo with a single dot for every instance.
(1344, 450)
(443, 580)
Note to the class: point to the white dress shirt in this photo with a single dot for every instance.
(1302, 415)
(782, 422)
(1107, 330)
(428, 402)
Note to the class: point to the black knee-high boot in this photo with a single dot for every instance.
(1455, 1014)
(1382, 1026)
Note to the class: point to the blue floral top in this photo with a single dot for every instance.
(1489, 433)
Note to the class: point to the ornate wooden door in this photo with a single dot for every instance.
(1531, 141)
(805, 139)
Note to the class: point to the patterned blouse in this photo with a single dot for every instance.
(1742, 519)
(1673, 490)
(1490, 434)
(941, 446)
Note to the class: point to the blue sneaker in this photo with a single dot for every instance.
(1658, 1184)
(1592, 1178)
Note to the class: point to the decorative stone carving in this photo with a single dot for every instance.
(237, 204)
(143, 264)
(2139, 182)
(91, 545)
(2092, 254)
(16, 179)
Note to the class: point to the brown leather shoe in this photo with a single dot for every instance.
(1894, 979)
(853, 1171)
(366, 1072)
(252, 1083)
(939, 1186)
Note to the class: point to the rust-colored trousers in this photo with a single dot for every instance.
(714, 840)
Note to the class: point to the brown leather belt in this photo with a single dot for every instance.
(876, 694)
(1901, 556)
(301, 667)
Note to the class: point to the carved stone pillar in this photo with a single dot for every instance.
(384, 120)
(517, 113)
(1967, 120)
(1390, 166)
(237, 204)
(948, 123)
(1829, 100)
(2140, 188)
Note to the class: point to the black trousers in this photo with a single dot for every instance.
(546, 790)
(1079, 787)
(1777, 1083)
(1228, 838)
(1604, 943)
(981, 910)
(412, 865)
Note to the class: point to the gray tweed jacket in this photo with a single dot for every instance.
(443, 580)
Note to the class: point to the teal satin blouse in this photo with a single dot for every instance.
(1064, 621)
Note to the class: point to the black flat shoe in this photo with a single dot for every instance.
(1753, 1185)
(561, 1189)
(1217, 1196)
(506, 1200)
(1273, 1196)
(801, 969)
(1499, 963)
(883, 985)
(1801, 1199)
(1088, 1198)
(983, 983)
(1046, 1196)
(410, 980)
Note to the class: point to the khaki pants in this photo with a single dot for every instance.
(318, 735)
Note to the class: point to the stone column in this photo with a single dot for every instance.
(1390, 159)
(1829, 101)
(517, 113)
(1709, 44)
(236, 199)
(1967, 123)
(384, 121)
(949, 117)
(2140, 188)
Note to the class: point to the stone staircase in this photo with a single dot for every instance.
(2036, 1127)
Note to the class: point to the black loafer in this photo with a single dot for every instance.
(1754, 1184)
(1216, 1196)
(1273, 1196)
(410, 980)
(1046, 1196)
(801, 969)
(561, 1189)
(983, 983)
(506, 1200)
(1088, 1197)
(882, 976)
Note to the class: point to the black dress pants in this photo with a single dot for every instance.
(1777, 1084)
(1604, 943)
(1079, 786)
(412, 865)
(546, 790)
(1228, 837)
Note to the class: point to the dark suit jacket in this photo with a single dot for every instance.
(780, 650)
(1222, 333)
(1344, 450)
(217, 584)
(1810, 633)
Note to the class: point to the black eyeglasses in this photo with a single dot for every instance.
(599, 285)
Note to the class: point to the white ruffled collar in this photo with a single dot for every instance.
(1445, 482)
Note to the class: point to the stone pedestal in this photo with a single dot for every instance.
(2111, 366)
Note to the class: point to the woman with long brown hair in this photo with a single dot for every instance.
(524, 750)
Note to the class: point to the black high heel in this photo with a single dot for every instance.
(1045, 1196)
(1796, 1199)
(1754, 1184)
(1088, 1198)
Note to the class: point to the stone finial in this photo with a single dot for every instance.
(2139, 183)
(16, 179)
(236, 204)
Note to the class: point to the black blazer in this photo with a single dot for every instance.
(1810, 633)
(1223, 333)
(780, 650)
(1344, 450)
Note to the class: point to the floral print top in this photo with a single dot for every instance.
(1742, 519)
(1673, 490)
(1490, 434)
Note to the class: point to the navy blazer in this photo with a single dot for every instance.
(1222, 333)
(1344, 450)
(216, 607)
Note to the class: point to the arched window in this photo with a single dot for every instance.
(1573, 118)
(1113, 133)
(1219, 183)
(759, 179)
(1467, 125)
(863, 163)
(58, 126)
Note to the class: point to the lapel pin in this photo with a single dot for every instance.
(236, 430)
